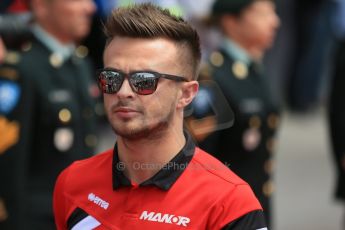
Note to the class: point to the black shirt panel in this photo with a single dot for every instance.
(77, 215)
(252, 221)
(166, 176)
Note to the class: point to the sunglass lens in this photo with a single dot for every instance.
(144, 83)
(110, 81)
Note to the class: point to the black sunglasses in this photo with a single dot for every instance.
(142, 82)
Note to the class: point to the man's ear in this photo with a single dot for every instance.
(188, 92)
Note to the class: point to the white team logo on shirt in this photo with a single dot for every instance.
(97, 200)
(164, 218)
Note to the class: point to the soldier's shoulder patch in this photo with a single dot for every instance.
(9, 134)
(9, 96)
(3, 210)
(8, 72)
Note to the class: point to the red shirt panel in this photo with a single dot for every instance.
(207, 195)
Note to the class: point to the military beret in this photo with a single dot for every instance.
(229, 6)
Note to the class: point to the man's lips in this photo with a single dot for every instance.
(125, 112)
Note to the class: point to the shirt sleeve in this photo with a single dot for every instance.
(250, 221)
(60, 203)
(231, 210)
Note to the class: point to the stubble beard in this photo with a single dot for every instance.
(146, 131)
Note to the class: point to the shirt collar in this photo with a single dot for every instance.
(65, 51)
(164, 178)
(235, 51)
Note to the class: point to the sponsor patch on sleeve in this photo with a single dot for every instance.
(9, 96)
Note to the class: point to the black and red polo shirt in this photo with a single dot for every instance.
(192, 191)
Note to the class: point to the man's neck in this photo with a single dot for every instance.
(143, 158)
(56, 34)
(253, 51)
(52, 43)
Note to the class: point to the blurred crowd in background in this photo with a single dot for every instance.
(299, 62)
(305, 67)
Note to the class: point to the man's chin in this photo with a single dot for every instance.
(154, 132)
(131, 134)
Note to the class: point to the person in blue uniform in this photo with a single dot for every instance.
(235, 73)
(47, 118)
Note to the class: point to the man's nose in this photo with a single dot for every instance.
(125, 90)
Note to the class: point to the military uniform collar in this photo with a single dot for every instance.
(164, 178)
(235, 51)
(62, 50)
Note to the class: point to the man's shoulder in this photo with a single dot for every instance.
(30, 55)
(87, 173)
(93, 162)
(232, 196)
(220, 60)
(86, 168)
(223, 66)
(219, 172)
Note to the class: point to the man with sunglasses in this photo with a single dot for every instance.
(154, 177)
